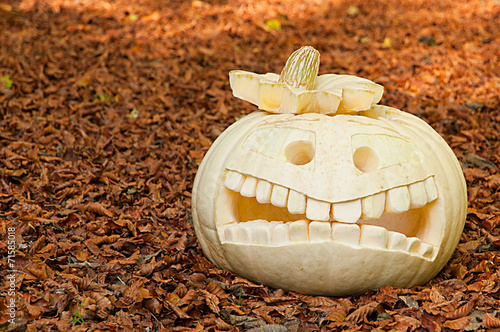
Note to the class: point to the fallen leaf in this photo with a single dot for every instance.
(337, 314)
(273, 24)
(490, 321)
(361, 313)
(457, 324)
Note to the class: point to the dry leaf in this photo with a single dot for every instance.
(178, 312)
(490, 321)
(457, 324)
(190, 296)
(211, 300)
(98, 208)
(462, 310)
(317, 301)
(406, 322)
(337, 314)
(214, 288)
(362, 312)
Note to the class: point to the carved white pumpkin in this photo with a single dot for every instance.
(330, 205)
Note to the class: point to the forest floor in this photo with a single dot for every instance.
(108, 107)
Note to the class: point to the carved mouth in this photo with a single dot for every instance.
(256, 212)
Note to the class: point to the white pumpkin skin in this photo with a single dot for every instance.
(410, 153)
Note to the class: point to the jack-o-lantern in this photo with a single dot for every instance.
(330, 204)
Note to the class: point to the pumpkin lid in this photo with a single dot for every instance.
(299, 89)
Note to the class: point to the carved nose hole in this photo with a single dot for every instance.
(299, 152)
(366, 159)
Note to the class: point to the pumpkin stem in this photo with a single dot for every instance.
(301, 68)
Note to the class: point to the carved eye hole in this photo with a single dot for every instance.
(366, 159)
(299, 152)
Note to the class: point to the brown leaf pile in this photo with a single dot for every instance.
(107, 108)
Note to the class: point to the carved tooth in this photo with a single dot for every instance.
(346, 233)
(231, 233)
(317, 210)
(348, 212)
(249, 187)
(413, 244)
(397, 200)
(396, 241)
(418, 195)
(279, 196)
(244, 232)
(234, 180)
(296, 202)
(319, 231)
(262, 232)
(426, 250)
(299, 230)
(374, 236)
(281, 233)
(263, 192)
(431, 189)
(373, 206)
